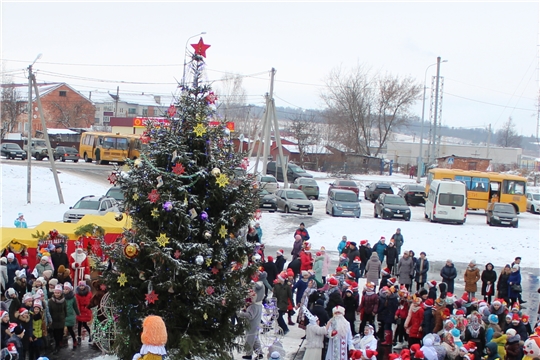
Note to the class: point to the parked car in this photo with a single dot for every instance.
(501, 214)
(345, 185)
(38, 148)
(533, 203)
(90, 205)
(66, 153)
(267, 182)
(373, 190)
(446, 202)
(289, 200)
(293, 171)
(308, 186)
(12, 151)
(413, 194)
(343, 203)
(389, 206)
(117, 194)
(267, 201)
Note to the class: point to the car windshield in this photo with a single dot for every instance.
(12, 146)
(87, 205)
(307, 182)
(346, 183)
(296, 168)
(391, 200)
(263, 192)
(116, 193)
(504, 208)
(70, 150)
(536, 196)
(416, 188)
(268, 179)
(383, 186)
(40, 143)
(296, 195)
(346, 197)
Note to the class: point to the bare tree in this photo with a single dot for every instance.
(70, 113)
(12, 105)
(306, 132)
(507, 136)
(365, 107)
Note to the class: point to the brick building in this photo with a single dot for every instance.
(463, 163)
(63, 107)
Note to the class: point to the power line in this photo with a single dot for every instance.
(488, 103)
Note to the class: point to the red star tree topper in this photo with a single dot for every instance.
(200, 48)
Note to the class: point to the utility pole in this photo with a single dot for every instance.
(267, 124)
(29, 139)
(433, 143)
(50, 151)
(116, 105)
(488, 141)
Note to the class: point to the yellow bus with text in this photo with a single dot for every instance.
(106, 147)
(486, 187)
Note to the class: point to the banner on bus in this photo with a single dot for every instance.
(142, 122)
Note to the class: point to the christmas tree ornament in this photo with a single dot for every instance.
(199, 260)
(200, 48)
(151, 297)
(131, 250)
(159, 181)
(215, 270)
(211, 98)
(222, 231)
(112, 178)
(171, 290)
(245, 163)
(193, 213)
(209, 290)
(141, 275)
(155, 213)
(174, 156)
(222, 180)
(257, 257)
(138, 163)
(199, 130)
(162, 240)
(177, 254)
(125, 168)
(135, 197)
(153, 196)
(171, 111)
(119, 216)
(208, 262)
(216, 171)
(185, 201)
(207, 235)
(204, 216)
(122, 279)
(258, 214)
(205, 316)
(178, 169)
(167, 206)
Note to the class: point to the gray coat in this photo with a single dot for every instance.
(3, 276)
(373, 268)
(405, 270)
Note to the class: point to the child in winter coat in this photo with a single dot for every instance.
(513, 348)
(350, 303)
(400, 317)
(38, 327)
(432, 294)
(17, 333)
(368, 306)
(414, 321)
(24, 320)
(72, 311)
(83, 296)
(500, 339)
(314, 337)
(6, 334)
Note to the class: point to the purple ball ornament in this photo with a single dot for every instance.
(204, 216)
(167, 206)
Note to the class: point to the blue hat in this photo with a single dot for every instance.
(493, 319)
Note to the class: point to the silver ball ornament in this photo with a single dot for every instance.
(207, 235)
(199, 260)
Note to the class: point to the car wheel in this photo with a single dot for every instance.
(86, 158)
(310, 213)
(333, 212)
(408, 219)
(489, 222)
(516, 226)
(62, 159)
(272, 211)
(23, 158)
(286, 209)
(317, 197)
(75, 161)
(375, 214)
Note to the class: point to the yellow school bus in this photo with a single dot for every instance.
(104, 147)
(486, 187)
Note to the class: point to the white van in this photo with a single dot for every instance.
(446, 202)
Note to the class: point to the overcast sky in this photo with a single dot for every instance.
(491, 48)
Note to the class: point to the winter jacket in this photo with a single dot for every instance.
(502, 286)
(379, 249)
(59, 259)
(500, 340)
(493, 353)
(428, 323)
(421, 269)
(40, 268)
(283, 293)
(388, 304)
(3, 277)
(38, 325)
(405, 270)
(365, 254)
(300, 287)
(432, 293)
(369, 304)
(521, 330)
(303, 233)
(280, 263)
(326, 264)
(295, 266)
(341, 246)
(83, 300)
(471, 276)
(72, 309)
(514, 278)
(414, 321)
(402, 311)
(491, 276)
(333, 299)
(297, 247)
(353, 254)
(58, 310)
(392, 254)
(11, 268)
(252, 237)
(307, 260)
(315, 336)
(448, 273)
(318, 268)
(320, 312)
(398, 240)
(373, 268)
(513, 349)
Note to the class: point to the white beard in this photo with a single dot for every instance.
(78, 258)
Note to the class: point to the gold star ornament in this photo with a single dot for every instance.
(199, 130)
(162, 240)
(155, 213)
(122, 279)
(223, 231)
(222, 180)
(135, 196)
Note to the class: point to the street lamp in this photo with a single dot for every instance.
(185, 62)
(420, 161)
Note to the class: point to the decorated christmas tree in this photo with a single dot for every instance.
(182, 259)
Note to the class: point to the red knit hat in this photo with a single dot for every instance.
(270, 259)
(338, 269)
(385, 271)
(428, 302)
(332, 281)
(419, 355)
(432, 283)
(290, 273)
(415, 348)
(279, 252)
(516, 317)
(23, 311)
(318, 253)
(391, 281)
(363, 242)
(357, 260)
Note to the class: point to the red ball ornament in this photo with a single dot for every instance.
(131, 250)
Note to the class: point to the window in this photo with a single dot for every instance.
(106, 119)
(121, 110)
(62, 93)
(514, 187)
(451, 199)
(144, 112)
(464, 179)
(472, 166)
(122, 144)
(132, 111)
(480, 184)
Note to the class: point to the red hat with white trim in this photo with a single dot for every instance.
(391, 281)
(23, 311)
(282, 276)
(385, 271)
(279, 252)
(357, 260)
(432, 283)
(333, 281)
(3, 313)
(351, 274)
(363, 242)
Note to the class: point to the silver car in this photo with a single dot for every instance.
(90, 205)
(343, 203)
(533, 202)
(290, 200)
(268, 183)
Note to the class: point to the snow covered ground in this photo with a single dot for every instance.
(461, 243)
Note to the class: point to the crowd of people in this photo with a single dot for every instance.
(401, 312)
(43, 307)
